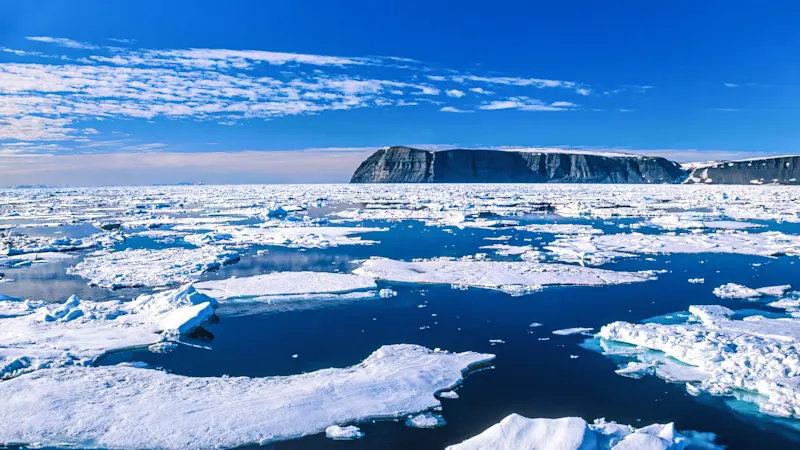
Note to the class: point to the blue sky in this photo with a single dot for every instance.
(97, 92)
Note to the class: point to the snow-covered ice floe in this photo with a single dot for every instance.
(601, 249)
(569, 331)
(733, 290)
(292, 286)
(516, 432)
(718, 355)
(511, 277)
(163, 267)
(37, 335)
(293, 237)
(348, 433)
(127, 407)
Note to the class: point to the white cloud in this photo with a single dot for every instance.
(731, 85)
(436, 77)
(583, 91)
(526, 104)
(481, 91)
(62, 42)
(455, 93)
(452, 110)
(535, 82)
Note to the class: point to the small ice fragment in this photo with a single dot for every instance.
(697, 280)
(348, 433)
(450, 395)
(425, 420)
(568, 331)
(496, 341)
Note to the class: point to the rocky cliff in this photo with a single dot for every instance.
(774, 170)
(410, 165)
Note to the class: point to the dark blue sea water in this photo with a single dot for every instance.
(532, 377)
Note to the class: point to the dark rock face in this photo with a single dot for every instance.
(409, 165)
(779, 170)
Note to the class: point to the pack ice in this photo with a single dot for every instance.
(516, 432)
(512, 277)
(719, 355)
(37, 335)
(127, 407)
(293, 237)
(596, 250)
(151, 268)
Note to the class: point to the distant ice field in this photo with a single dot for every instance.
(342, 285)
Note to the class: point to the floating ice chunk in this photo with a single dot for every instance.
(294, 237)
(348, 433)
(425, 420)
(126, 407)
(493, 274)
(136, 268)
(496, 341)
(733, 290)
(27, 259)
(78, 333)
(755, 355)
(516, 432)
(568, 331)
(285, 283)
(450, 395)
(535, 324)
(697, 280)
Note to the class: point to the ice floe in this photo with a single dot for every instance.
(425, 420)
(755, 355)
(569, 331)
(348, 433)
(675, 222)
(38, 335)
(733, 290)
(162, 267)
(293, 237)
(597, 250)
(510, 277)
(127, 407)
(288, 286)
(516, 432)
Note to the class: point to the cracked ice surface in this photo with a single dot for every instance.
(507, 276)
(516, 432)
(597, 250)
(37, 335)
(755, 355)
(127, 407)
(163, 267)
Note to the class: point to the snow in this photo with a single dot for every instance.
(757, 355)
(601, 249)
(348, 433)
(42, 335)
(569, 331)
(293, 237)
(516, 432)
(506, 276)
(128, 407)
(733, 290)
(561, 229)
(152, 268)
(508, 250)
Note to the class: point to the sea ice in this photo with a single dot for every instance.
(600, 249)
(294, 237)
(126, 407)
(493, 274)
(136, 268)
(516, 432)
(508, 250)
(757, 355)
(733, 290)
(278, 284)
(42, 335)
(569, 331)
(425, 420)
(348, 433)
(674, 222)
